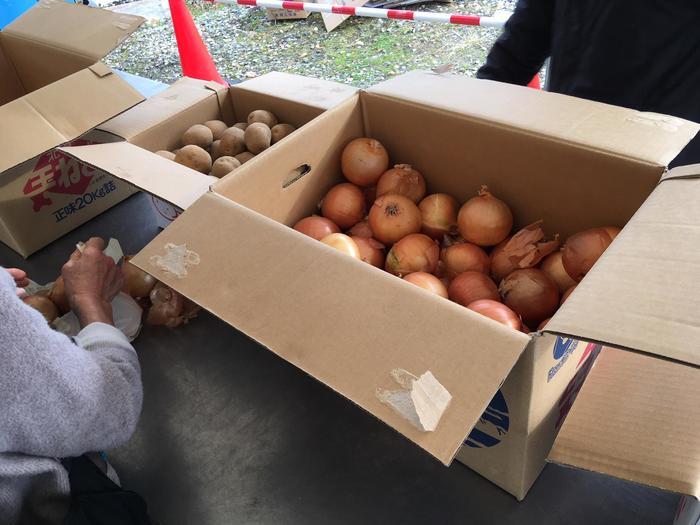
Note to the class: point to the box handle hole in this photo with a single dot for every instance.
(296, 174)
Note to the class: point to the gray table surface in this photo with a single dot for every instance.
(230, 433)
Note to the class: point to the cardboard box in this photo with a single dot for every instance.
(574, 163)
(53, 91)
(158, 124)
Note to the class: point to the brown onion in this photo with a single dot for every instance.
(497, 311)
(484, 220)
(342, 243)
(363, 161)
(344, 204)
(427, 282)
(543, 324)
(166, 307)
(371, 250)
(463, 257)
(531, 294)
(316, 227)
(414, 253)
(58, 295)
(523, 250)
(439, 215)
(402, 179)
(137, 283)
(43, 304)
(468, 287)
(583, 249)
(552, 266)
(566, 294)
(392, 217)
(361, 229)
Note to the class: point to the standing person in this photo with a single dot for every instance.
(62, 397)
(642, 54)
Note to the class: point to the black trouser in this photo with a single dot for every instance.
(97, 500)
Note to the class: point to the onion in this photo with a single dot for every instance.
(414, 253)
(583, 249)
(484, 220)
(543, 324)
(525, 329)
(392, 217)
(531, 294)
(464, 257)
(471, 286)
(43, 304)
(344, 204)
(402, 179)
(439, 214)
(566, 294)
(363, 161)
(361, 229)
(553, 267)
(427, 282)
(496, 311)
(342, 243)
(316, 227)
(371, 250)
(167, 307)
(137, 283)
(58, 296)
(523, 250)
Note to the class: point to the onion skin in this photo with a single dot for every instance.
(583, 249)
(58, 295)
(344, 204)
(414, 253)
(342, 243)
(463, 257)
(468, 287)
(427, 282)
(439, 215)
(525, 249)
(497, 311)
(361, 229)
(552, 266)
(566, 294)
(363, 161)
(484, 220)
(167, 307)
(392, 217)
(543, 324)
(137, 283)
(316, 227)
(531, 294)
(371, 250)
(404, 180)
(43, 305)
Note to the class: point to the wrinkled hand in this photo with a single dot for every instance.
(21, 280)
(92, 280)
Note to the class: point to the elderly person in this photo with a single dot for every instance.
(62, 398)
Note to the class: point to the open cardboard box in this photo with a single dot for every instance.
(574, 163)
(52, 91)
(159, 122)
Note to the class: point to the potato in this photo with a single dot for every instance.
(280, 131)
(241, 125)
(261, 115)
(257, 137)
(217, 127)
(232, 142)
(244, 157)
(198, 135)
(214, 150)
(166, 154)
(223, 166)
(194, 157)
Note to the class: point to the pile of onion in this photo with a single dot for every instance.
(44, 305)
(363, 161)
(531, 294)
(344, 204)
(137, 283)
(525, 249)
(392, 217)
(58, 295)
(484, 219)
(342, 243)
(371, 251)
(463, 257)
(497, 311)
(583, 249)
(402, 179)
(414, 253)
(316, 227)
(428, 282)
(472, 286)
(439, 215)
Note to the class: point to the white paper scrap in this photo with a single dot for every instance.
(176, 260)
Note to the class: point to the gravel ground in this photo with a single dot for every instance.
(360, 52)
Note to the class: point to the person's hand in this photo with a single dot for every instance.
(21, 280)
(92, 280)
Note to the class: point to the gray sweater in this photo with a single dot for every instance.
(57, 399)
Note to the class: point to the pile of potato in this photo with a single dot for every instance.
(216, 149)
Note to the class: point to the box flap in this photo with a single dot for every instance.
(60, 112)
(346, 323)
(652, 138)
(10, 86)
(77, 29)
(640, 294)
(172, 182)
(636, 418)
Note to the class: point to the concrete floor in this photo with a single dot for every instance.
(230, 433)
